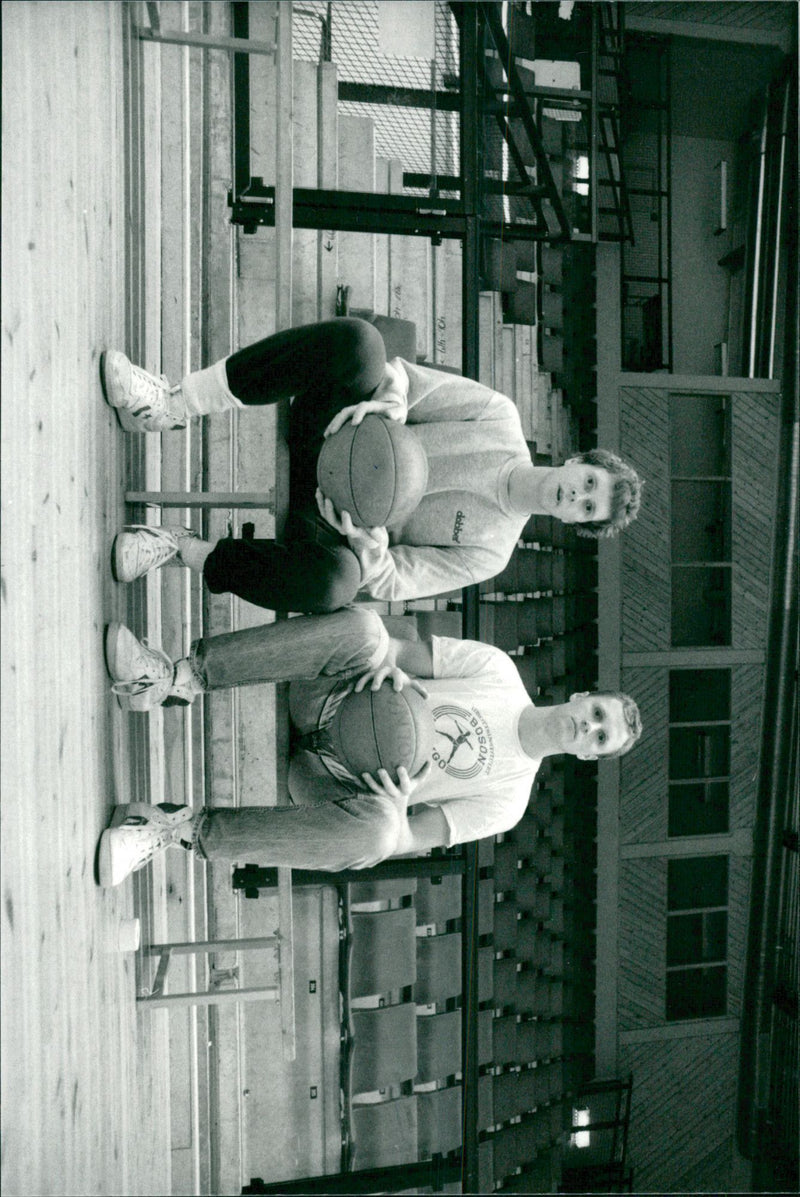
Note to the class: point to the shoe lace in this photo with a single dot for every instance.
(150, 386)
(162, 836)
(144, 852)
(158, 545)
(150, 675)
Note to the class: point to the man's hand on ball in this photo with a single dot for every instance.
(356, 413)
(361, 539)
(340, 520)
(370, 539)
(367, 540)
(374, 678)
(401, 790)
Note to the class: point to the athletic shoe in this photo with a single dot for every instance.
(145, 677)
(136, 833)
(142, 547)
(142, 675)
(144, 402)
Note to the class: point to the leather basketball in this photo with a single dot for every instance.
(383, 729)
(377, 470)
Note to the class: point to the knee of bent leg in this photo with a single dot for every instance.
(339, 581)
(363, 353)
(376, 832)
(361, 638)
(359, 337)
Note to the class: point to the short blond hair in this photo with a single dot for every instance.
(633, 720)
(626, 493)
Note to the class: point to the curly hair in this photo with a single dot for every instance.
(633, 720)
(626, 493)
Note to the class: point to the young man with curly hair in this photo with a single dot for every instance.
(482, 486)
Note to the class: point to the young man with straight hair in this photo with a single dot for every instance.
(489, 740)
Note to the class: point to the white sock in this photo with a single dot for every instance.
(191, 832)
(184, 833)
(186, 684)
(206, 392)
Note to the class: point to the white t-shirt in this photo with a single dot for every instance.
(481, 776)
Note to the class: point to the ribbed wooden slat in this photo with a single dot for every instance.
(747, 695)
(739, 874)
(642, 943)
(643, 773)
(755, 446)
(742, 15)
(645, 547)
(685, 1087)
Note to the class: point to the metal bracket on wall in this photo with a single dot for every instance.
(350, 211)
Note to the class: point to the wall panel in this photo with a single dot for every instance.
(747, 695)
(643, 772)
(642, 943)
(644, 441)
(682, 1110)
(739, 874)
(755, 447)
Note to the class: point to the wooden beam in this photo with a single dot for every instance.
(286, 963)
(240, 500)
(207, 41)
(711, 32)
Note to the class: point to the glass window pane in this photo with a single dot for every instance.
(642, 314)
(695, 938)
(715, 935)
(696, 992)
(699, 435)
(696, 752)
(698, 809)
(701, 521)
(696, 695)
(696, 882)
(684, 938)
(701, 606)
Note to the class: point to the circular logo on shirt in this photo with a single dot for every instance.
(462, 744)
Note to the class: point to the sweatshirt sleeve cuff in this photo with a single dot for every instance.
(393, 388)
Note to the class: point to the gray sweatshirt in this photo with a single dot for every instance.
(464, 530)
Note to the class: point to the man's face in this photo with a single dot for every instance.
(590, 726)
(577, 493)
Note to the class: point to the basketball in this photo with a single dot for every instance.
(377, 470)
(383, 729)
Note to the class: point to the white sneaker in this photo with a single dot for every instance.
(142, 675)
(136, 833)
(142, 547)
(144, 402)
(145, 677)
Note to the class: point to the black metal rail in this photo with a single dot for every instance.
(545, 180)
(352, 211)
(656, 350)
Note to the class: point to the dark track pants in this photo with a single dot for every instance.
(322, 368)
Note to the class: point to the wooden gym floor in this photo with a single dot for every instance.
(86, 1101)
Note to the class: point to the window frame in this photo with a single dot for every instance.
(726, 411)
(695, 967)
(675, 783)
